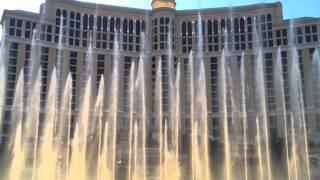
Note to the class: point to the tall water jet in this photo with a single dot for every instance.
(64, 128)
(294, 156)
(31, 129)
(226, 138)
(99, 107)
(177, 122)
(192, 118)
(105, 172)
(160, 118)
(204, 123)
(59, 67)
(259, 151)
(165, 151)
(131, 130)
(262, 110)
(79, 145)
(18, 156)
(298, 110)
(78, 169)
(17, 164)
(316, 75)
(280, 88)
(141, 79)
(113, 109)
(47, 152)
(244, 116)
(135, 150)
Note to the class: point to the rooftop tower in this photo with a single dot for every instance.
(157, 4)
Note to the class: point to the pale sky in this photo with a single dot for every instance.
(292, 8)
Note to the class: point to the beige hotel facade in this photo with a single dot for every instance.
(83, 23)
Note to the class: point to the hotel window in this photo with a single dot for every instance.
(187, 37)
(273, 127)
(27, 73)
(74, 29)
(118, 25)
(311, 33)
(269, 81)
(138, 33)
(130, 35)
(15, 28)
(91, 22)
(44, 74)
(298, 35)
(214, 77)
(86, 33)
(29, 27)
(59, 25)
(155, 34)
(250, 35)
(131, 30)
(12, 73)
(301, 68)
(112, 34)
(266, 31)
(73, 72)
(45, 33)
(126, 84)
(154, 72)
(165, 25)
(317, 116)
(187, 85)
(100, 69)
(165, 82)
(282, 37)
(125, 35)
(285, 73)
(216, 127)
(239, 31)
(226, 33)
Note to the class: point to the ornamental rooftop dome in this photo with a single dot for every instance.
(156, 4)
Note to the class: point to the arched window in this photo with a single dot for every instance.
(91, 22)
(99, 23)
(242, 26)
(162, 20)
(263, 18)
(85, 22)
(184, 28)
(138, 25)
(190, 28)
(228, 25)
(269, 18)
(125, 26)
(249, 20)
(58, 12)
(236, 25)
(71, 15)
(167, 20)
(143, 27)
(118, 24)
(105, 24)
(130, 26)
(215, 27)
(64, 13)
(209, 27)
(112, 24)
(223, 25)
